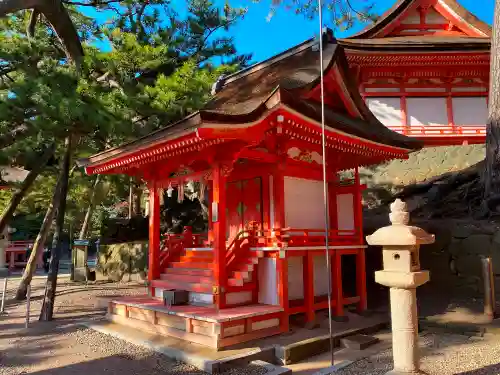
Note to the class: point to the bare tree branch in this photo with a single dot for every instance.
(58, 17)
(11, 6)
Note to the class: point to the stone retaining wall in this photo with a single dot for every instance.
(116, 261)
(454, 260)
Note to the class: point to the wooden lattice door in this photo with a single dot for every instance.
(244, 204)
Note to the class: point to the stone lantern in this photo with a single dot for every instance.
(402, 274)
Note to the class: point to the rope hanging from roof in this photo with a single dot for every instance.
(160, 193)
(180, 192)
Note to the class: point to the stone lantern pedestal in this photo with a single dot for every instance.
(402, 274)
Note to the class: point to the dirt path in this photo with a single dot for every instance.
(64, 347)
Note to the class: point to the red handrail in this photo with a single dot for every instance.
(172, 244)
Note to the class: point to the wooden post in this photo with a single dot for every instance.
(28, 301)
(219, 232)
(338, 289)
(4, 294)
(489, 287)
(154, 234)
(308, 280)
(361, 280)
(360, 257)
(278, 199)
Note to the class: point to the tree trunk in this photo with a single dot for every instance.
(40, 241)
(492, 164)
(21, 192)
(51, 285)
(88, 215)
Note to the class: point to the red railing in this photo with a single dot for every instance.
(440, 131)
(239, 245)
(171, 245)
(20, 249)
(316, 237)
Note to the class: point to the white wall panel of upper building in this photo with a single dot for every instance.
(470, 110)
(427, 111)
(386, 109)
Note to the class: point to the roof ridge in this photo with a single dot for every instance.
(311, 42)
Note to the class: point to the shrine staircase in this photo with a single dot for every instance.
(187, 264)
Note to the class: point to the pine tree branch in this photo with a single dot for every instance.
(90, 3)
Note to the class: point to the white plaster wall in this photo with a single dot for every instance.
(427, 111)
(387, 110)
(303, 203)
(268, 281)
(295, 280)
(425, 89)
(320, 276)
(469, 89)
(470, 110)
(413, 18)
(304, 209)
(433, 17)
(345, 211)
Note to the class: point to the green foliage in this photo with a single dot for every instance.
(344, 14)
(160, 67)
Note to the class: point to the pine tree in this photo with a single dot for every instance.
(156, 72)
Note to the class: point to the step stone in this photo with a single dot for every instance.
(164, 284)
(358, 342)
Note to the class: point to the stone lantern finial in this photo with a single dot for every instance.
(399, 213)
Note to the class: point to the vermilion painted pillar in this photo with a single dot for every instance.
(282, 270)
(219, 233)
(278, 199)
(154, 233)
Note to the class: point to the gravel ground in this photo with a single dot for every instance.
(63, 347)
(442, 354)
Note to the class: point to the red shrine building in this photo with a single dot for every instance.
(255, 151)
(423, 70)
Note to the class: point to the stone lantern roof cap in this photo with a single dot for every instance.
(400, 233)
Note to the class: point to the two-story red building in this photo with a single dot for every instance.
(423, 70)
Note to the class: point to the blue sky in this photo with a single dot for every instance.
(264, 38)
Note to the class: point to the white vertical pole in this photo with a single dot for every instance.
(4, 293)
(28, 297)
